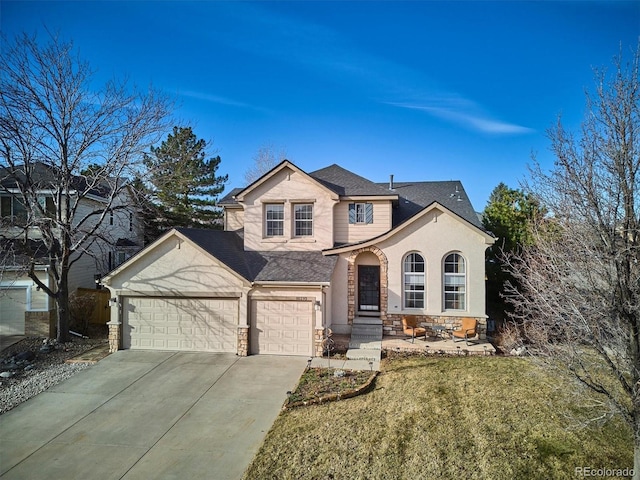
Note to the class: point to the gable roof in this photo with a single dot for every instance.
(281, 166)
(348, 184)
(415, 196)
(228, 248)
(488, 237)
(45, 177)
(409, 197)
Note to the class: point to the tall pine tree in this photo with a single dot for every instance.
(184, 181)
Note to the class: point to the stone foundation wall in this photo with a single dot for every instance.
(392, 325)
(243, 342)
(40, 324)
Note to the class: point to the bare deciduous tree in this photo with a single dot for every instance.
(265, 159)
(78, 145)
(578, 300)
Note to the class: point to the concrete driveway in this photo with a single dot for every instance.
(149, 415)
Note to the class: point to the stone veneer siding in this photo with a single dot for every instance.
(243, 342)
(392, 325)
(115, 336)
(352, 284)
(317, 342)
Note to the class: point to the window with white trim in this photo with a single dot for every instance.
(303, 219)
(13, 208)
(455, 282)
(414, 281)
(274, 219)
(360, 213)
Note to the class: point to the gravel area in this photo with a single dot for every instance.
(35, 364)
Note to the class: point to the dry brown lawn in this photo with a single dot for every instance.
(445, 418)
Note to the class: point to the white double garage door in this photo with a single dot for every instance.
(277, 327)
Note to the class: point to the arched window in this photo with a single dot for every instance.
(413, 284)
(455, 282)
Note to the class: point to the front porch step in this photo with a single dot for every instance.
(366, 339)
(367, 321)
(364, 354)
(365, 344)
(366, 331)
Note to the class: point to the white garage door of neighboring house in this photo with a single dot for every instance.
(280, 327)
(13, 303)
(186, 324)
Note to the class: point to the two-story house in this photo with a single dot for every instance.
(301, 252)
(119, 237)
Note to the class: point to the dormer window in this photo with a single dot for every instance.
(360, 213)
(274, 219)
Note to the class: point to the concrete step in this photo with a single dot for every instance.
(367, 321)
(364, 354)
(366, 330)
(366, 344)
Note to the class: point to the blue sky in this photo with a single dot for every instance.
(424, 90)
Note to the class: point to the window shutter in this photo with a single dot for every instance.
(368, 212)
(352, 213)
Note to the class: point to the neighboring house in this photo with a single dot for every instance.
(119, 238)
(301, 252)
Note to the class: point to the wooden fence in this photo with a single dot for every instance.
(102, 313)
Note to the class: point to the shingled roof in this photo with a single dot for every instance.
(412, 196)
(46, 177)
(348, 184)
(415, 196)
(226, 246)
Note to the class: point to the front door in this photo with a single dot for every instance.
(369, 288)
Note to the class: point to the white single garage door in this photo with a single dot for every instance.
(13, 304)
(282, 327)
(186, 324)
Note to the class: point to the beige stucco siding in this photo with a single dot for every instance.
(233, 219)
(345, 232)
(339, 296)
(433, 239)
(288, 187)
(175, 266)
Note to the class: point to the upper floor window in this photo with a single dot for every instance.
(274, 219)
(361, 213)
(130, 222)
(455, 282)
(303, 219)
(414, 281)
(47, 204)
(11, 207)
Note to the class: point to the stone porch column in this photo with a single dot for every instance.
(243, 341)
(115, 336)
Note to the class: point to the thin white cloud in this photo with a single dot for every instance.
(326, 52)
(208, 97)
(456, 113)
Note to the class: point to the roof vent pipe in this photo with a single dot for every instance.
(391, 182)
